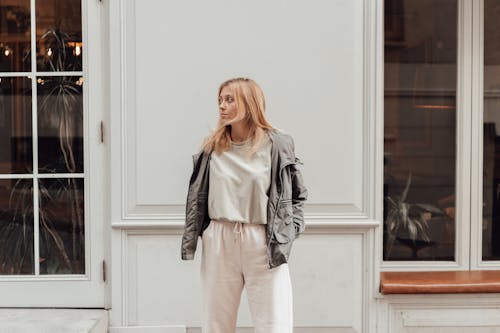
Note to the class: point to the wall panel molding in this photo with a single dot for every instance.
(151, 254)
(135, 204)
(439, 313)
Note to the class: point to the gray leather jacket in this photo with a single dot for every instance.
(285, 216)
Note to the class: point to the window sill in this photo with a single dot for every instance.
(486, 281)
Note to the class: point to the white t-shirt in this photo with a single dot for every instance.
(238, 187)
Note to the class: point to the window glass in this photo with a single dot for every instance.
(15, 36)
(420, 68)
(491, 140)
(41, 163)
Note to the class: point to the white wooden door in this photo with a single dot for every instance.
(51, 155)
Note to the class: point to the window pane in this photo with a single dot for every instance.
(491, 140)
(60, 124)
(16, 226)
(61, 226)
(419, 129)
(59, 35)
(16, 144)
(15, 36)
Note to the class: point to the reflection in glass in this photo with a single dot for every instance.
(15, 36)
(16, 226)
(61, 225)
(491, 136)
(419, 129)
(60, 124)
(59, 35)
(16, 146)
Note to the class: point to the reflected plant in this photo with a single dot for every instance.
(54, 193)
(16, 230)
(55, 41)
(61, 95)
(404, 218)
(17, 236)
(60, 106)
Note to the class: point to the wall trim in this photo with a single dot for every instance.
(184, 329)
(131, 209)
(148, 329)
(328, 226)
(368, 304)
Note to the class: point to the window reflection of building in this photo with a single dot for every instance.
(491, 189)
(491, 139)
(59, 143)
(420, 121)
(15, 36)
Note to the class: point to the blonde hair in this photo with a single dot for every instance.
(251, 107)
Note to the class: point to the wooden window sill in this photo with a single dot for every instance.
(448, 282)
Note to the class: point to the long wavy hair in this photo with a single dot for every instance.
(251, 108)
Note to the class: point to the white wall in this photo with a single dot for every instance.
(167, 60)
(320, 65)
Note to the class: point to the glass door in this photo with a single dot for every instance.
(51, 239)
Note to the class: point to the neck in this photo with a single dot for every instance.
(239, 132)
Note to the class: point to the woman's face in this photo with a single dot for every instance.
(227, 104)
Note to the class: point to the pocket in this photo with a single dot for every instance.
(285, 211)
(284, 231)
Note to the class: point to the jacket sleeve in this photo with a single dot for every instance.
(299, 195)
(190, 235)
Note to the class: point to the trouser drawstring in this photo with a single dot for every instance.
(237, 228)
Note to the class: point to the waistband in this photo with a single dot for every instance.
(235, 222)
(238, 227)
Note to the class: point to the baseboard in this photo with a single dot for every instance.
(184, 329)
(148, 329)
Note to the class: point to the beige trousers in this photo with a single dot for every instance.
(233, 257)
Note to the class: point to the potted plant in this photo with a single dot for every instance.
(407, 222)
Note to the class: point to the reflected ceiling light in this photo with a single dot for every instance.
(77, 47)
(7, 52)
(49, 52)
(430, 106)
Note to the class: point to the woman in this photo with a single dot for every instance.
(245, 200)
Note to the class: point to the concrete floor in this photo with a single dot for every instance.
(17, 320)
